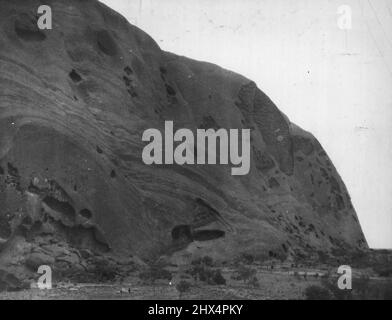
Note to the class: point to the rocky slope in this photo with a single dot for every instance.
(74, 102)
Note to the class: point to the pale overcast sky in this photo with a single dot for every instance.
(334, 83)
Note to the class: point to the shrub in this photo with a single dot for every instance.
(208, 275)
(248, 258)
(206, 261)
(217, 278)
(199, 272)
(323, 257)
(99, 270)
(332, 286)
(254, 282)
(361, 287)
(244, 273)
(383, 271)
(155, 273)
(380, 291)
(182, 287)
(317, 293)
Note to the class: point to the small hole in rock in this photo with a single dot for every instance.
(127, 81)
(75, 76)
(132, 93)
(170, 91)
(86, 213)
(113, 174)
(128, 70)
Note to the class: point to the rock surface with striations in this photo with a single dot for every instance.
(74, 102)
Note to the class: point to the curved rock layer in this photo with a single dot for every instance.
(74, 102)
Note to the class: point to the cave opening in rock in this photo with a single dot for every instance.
(60, 206)
(170, 91)
(75, 77)
(205, 235)
(86, 213)
(182, 233)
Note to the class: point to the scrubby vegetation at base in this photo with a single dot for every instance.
(203, 270)
(182, 287)
(315, 292)
(155, 273)
(247, 275)
(362, 289)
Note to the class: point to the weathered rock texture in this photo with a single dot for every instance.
(74, 102)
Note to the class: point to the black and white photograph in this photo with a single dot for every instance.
(172, 151)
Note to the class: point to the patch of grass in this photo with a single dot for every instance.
(155, 273)
(206, 261)
(331, 284)
(244, 273)
(254, 282)
(315, 292)
(207, 274)
(383, 271)
(362, 289)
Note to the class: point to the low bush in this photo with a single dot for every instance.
(155, 273)
(331, 284)
(209, 275)
(183, 286)
(383, 271)
(317, 293)
(244, 273)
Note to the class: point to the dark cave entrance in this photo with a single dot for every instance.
(205, 235)
(60, 206)
(185, 233)
(182, 233)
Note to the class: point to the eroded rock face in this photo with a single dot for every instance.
(74, 102)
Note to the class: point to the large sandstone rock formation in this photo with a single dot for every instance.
(74, 102)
